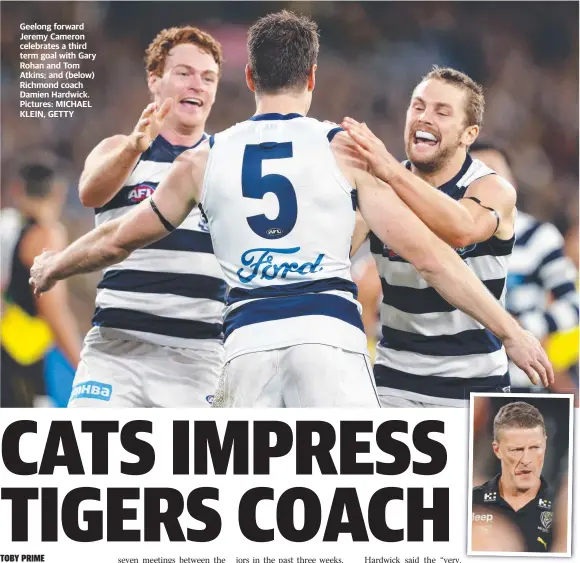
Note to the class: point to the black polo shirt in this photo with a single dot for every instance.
(534, 519)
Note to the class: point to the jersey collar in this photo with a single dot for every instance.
(542, 500)
(178, 149)
(449, 186)
(274, 116)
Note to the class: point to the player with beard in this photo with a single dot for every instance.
(293, 334)
(432, 354)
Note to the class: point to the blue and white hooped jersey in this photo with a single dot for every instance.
(538, 270)
(281, 217)
(171, 292)
(431, 351)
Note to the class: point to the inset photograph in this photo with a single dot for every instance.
(520, 485)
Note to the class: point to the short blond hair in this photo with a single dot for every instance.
(517, 415)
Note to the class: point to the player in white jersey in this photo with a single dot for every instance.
(279, 192)
(432, 354)
(157, 329)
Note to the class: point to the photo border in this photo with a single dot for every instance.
(570, 398)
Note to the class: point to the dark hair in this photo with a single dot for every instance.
(38, 179)
(489, 146)
(517, 415)
(166, 39)
(475, 101)
(282, 48)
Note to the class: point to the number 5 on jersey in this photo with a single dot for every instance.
(256, 186)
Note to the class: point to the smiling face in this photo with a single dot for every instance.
(436, 126)
(521, 452)
(190, 77)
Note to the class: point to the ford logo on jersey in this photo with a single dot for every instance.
(260, 261)
(140, 192)
(465, 249)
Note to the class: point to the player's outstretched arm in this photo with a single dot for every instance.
(114, 240)
(398, 227)
(111, 162)
(458, 223)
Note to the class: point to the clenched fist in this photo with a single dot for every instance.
(41, 278)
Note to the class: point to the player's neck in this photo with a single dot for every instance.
(182, 136)
(281, 103)
(446, 173)
(515, 497)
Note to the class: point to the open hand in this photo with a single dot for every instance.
(527, 353)
(371, 148)
(149, 125)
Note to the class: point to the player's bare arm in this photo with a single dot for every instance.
(113, 241)
(487, 209)
(398, 227)
(111, 162)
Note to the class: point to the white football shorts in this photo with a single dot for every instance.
(304, 375)
(122, 373)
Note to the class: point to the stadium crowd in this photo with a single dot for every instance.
(371, 57)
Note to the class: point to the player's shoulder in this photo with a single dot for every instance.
(106, 145)
(232, 136)
(546, 494)
(330, 129)
(344, 149)
(483, 179)
(109, 143)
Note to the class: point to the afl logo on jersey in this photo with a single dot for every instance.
(274, 231)
(140, 192)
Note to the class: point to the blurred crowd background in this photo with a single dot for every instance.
(372, 55)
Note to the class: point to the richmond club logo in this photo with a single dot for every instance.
(141, 192)
(546, 518)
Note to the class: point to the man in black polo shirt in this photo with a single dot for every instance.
(519, 494)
